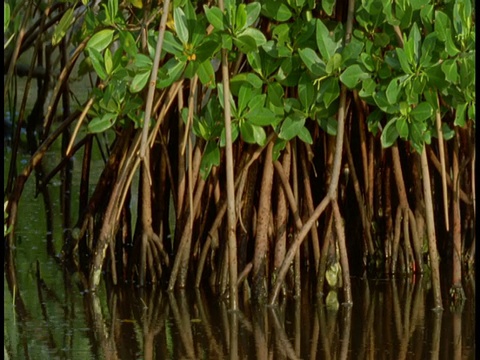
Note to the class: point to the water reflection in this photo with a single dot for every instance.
(390, 319)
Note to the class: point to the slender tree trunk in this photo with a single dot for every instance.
(259, 282)
(457, 293)
(432, 241)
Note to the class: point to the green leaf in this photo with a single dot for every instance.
(449, 67)
(139, 81)
(248, 132)
(278, 147)
(326, 45)
(422, 111)
(101, 124)
(329, 125)
(6, 17)
(98, 63)
(169, 73)
(329, 91)
(460, 115)
(241, 17)
(306, 92)
(305, 136)
(245, 43)
(143, 62)
(403, 59)
(255, 61)
(112, 6)
(244, 96)
(206, 74)
(171, 44)
(402, 127)
(443, 29)
(108, 61)
(210, 158)
(393, 90)
(256, 34)
(417, 134)
(180, 25)
(334, 63)
(61, 29)
(100, 40)
(275, 94)
(291, 126)
(128, 43)
(412, 45)
(327, 6)
(313, 62)
(277, 10)
(262, 117)
(389, 133)
(215, 17)
(253, 11)
(353, 75)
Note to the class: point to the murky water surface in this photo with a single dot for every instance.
(48, 315)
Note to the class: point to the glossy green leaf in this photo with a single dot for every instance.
(244, 96)
(278, 147)
(108, 61)
(417, 131)
(393, 90)
(180, 22)
(326, 45)
(291, 126)
(139, 81)
(98, 63)
(443, 29)
(313, 62)
(128, 43)
(305, 136)
(328, 6)
(100, 40)
(306, 92)
(460, 115)
(171, 44)
(403, 59)
(275, 94)
(253, 11)
(334, 63)
(262, 117)
(210, 158)
(449, 68)
(329, 91)
(143, 62)
(257, 101)
(402, 127)
(422, 112)
(252, 134)
(256, 34)
(101, 124)
(215, 17)
(255, 61)
(277, 10)
(112, 7)
(206, 74)
(245, 43)
(241, 17)
(6, 17)
(329, 125)
(63, 26)
(169, 73)
(353, 75)
(389, 133)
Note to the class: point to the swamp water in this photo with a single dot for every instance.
(47, 315)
